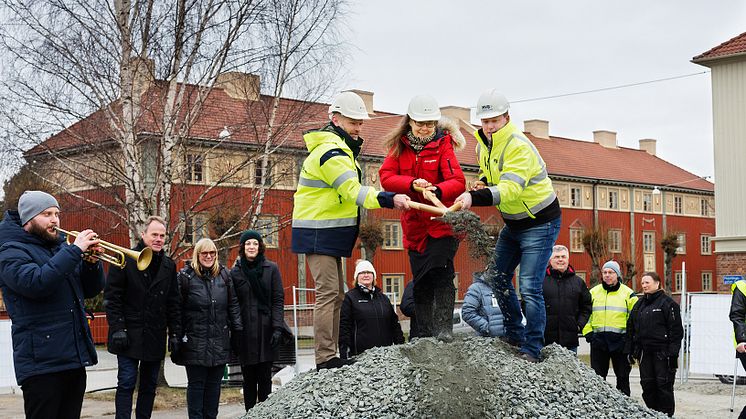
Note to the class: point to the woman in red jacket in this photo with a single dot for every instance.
(421, 154)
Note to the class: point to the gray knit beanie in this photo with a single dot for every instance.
(614, 266)
(34, 202)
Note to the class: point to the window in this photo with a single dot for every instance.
(677, 280)
(704, 207)
(705, 247)
(194, 168)
(678, 204)
(392, 238)
(647, 201)
(681, 238)
(613, 199)
(576, 240)
(615, 241)
(269, 226)
(581, 275)
(195, 228)
(393, 286)
(576, 197)
(258, 173)
(706, 281)
(648, 250)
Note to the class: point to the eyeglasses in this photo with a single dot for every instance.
(428, 124)
(211, 254)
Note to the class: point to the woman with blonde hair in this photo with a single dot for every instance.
(421, 155)
(209, 309)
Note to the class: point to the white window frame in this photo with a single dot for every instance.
(615, 240)
(268, 226)
(393, 284)
(613, 199)
(258, 173)
(678, 204)
(705, 244)
(576, 240)
(581, 274)
(706, 281)
(195, 167)
(704, 207)
(648, 250)
(647, 202)
(681, 238)
(195, 228)
(392, 235)
(576, 196)
(677, 279)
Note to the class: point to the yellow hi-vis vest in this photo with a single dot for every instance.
(516, 174)
(610, 309)
(741, 285)
(326, 203)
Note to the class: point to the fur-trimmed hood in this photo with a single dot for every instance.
(452, 127)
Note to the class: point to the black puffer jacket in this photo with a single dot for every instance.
(655, 325)
(568, 303)
(209, 310)
(144, 303)
(258, 327)
(368, 320)
(738, 314)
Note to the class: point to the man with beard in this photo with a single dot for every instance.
(44, 282)
(139, 306)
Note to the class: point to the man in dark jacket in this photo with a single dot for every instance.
(737, 316)
(139, 306)
(44, 282)
(567, 301)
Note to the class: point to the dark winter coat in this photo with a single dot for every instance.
(738, 315)
(144, 303)
(436, 163)
(407, 308)
(568, 304)
(43, 288)
(258, 327)
(209, 311)
(368, 320)
(654, 325)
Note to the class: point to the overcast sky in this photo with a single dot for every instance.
(454, 50)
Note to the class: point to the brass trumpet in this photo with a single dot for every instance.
(116, 254)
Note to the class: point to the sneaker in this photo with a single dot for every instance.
(334, 363)
(528, 358)
(512, 342)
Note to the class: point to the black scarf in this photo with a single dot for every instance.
(355, 145)
(253, 270)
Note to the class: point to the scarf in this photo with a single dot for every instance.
(355, 145)
(253, 270)
(418, 143)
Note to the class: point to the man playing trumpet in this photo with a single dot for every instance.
(44, 282)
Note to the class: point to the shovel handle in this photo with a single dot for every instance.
(427, 208)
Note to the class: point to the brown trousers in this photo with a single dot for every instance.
(329, 279)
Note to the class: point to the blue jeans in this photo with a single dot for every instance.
(531, 248)
(126, 379)
(203, 391)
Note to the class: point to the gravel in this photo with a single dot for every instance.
(470, 377)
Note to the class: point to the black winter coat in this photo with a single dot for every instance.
(258, 327)
(143, 304)
(407, 309)
(367, 320)
(209, 311)
(654, 325)
(738, 315)
(568, 304)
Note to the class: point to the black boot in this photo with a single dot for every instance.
(424, 313)
(443, 313)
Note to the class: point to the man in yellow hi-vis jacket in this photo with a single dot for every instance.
(326, 214)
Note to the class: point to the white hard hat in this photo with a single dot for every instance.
(350, 105)
(423, 108)
(491, 103)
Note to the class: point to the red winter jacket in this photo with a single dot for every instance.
(437, 164)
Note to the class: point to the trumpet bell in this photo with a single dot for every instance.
(116, 254)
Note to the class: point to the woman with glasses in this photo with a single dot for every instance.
(261, 297)
(209, 309)
(421, 156)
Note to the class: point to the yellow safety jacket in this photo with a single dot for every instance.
(515, 173)
(741, 285)
(326, 203)
(610, 309)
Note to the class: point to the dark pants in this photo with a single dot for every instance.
(203, 391)
(434, 298)
(656, 380)
(257, 381)
(600, 357)
(54, 395)
(126, 379)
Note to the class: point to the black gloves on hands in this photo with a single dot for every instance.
(344, 351)
(119, 340)
(174, 344)
(276, 338)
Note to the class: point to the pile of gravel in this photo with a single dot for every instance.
(470, 377)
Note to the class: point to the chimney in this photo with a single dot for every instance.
(605, 138)
(648, 145)
(239, 85)
(367, 99)
(457, 113)
(537, 127)
(143, 74)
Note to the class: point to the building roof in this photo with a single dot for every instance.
(733, 46)
(246, 120)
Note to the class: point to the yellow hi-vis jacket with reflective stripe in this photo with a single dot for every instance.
(741, 285)
(610, 309)
(326, 203)
(516, 174)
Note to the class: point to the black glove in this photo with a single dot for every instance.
(673, 362)
(276, 338)
(589, 337)
(174, 344)
(344, 351)
(119, 340)
(631, 359)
